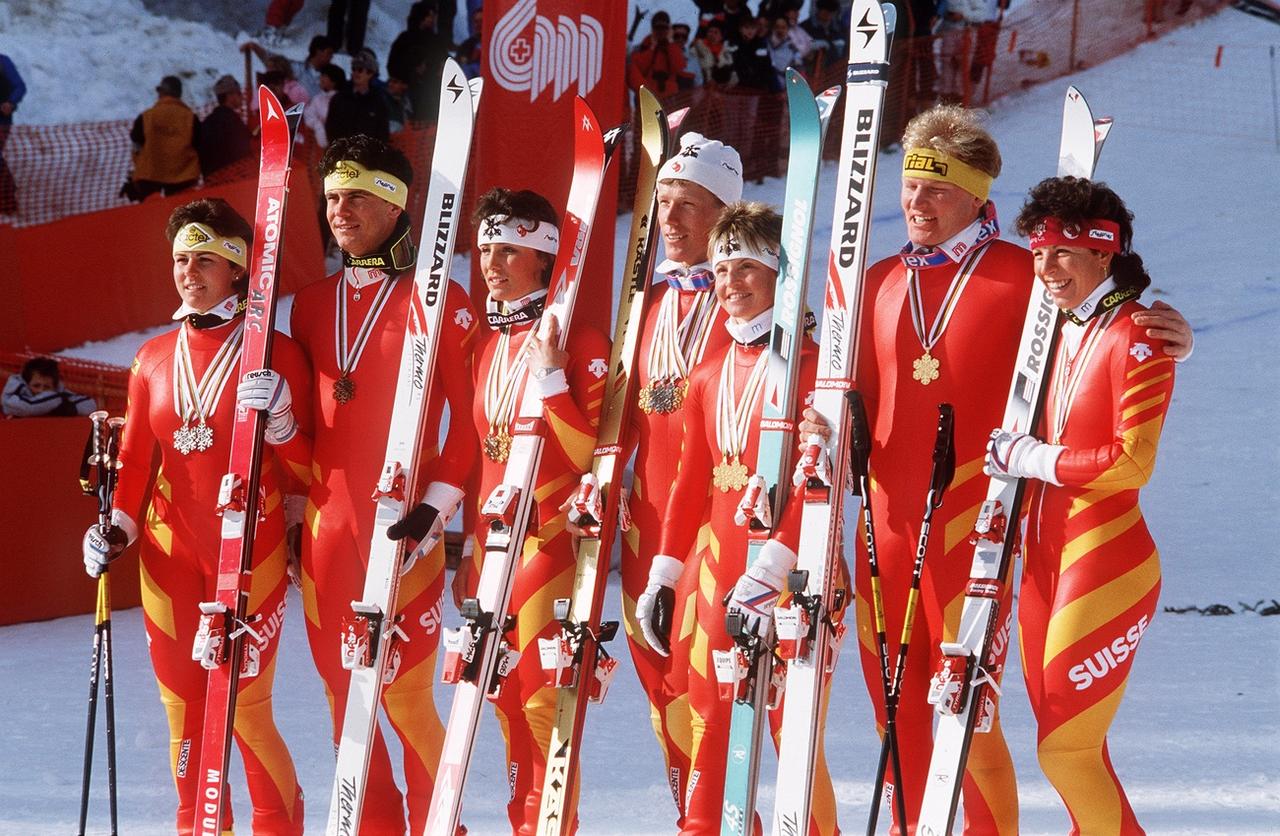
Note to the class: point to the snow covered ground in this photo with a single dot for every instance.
(1196, 740)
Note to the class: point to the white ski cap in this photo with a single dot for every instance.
(709, 163)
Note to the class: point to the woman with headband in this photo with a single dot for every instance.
(518, 240)
(180, 410)
(1091, 574)
(705, 514)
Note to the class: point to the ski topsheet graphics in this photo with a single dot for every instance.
(477, 654)
(370, 636)
(220, 644)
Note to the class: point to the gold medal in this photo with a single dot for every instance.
(497, 445)
(926, 369)
(344, 389)
(729, 475)
(663, 396)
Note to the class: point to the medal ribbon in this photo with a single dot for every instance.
(196, 398)
(677, 347)
(1067, 376)
(505, 376)
(733, 416)
(348, 355)
(949, 302)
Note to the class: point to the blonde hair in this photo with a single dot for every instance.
(756, 225)
(957, 132)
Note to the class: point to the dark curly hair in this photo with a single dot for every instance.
(213, 212)
(369, 152)
(530, 205)
(1075, 200)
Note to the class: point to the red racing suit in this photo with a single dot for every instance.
(699, 527)
(350, 444)
(658, 437)
(1091, 573)
(526, 706)
(181, 534)
(976, 354)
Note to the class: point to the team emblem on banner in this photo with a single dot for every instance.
(556, 54)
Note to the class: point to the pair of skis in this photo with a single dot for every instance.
(959, 689)
(371, 634)
(477, 655)
(746, 673)
(225, 622)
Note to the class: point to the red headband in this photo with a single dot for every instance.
(1094, 234)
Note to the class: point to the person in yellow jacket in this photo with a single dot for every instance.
(165, 138)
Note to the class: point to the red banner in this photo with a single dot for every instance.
(538, 55)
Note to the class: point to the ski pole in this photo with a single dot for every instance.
(103, 445)
(859, 463)
(944, 469)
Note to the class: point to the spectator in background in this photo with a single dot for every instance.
(280, 14)
(12, 89)
(691, 76)
(224, 137)
(783, 51)
(968, 43)
(715, 56)
(729, 14)
(332, 79)
(751, 60)
(165, 138)
(294, 91)
(307, 71)
(417, 58)
(399, 104)
(657, 62)
(347, 22)
(774, 9)
(829, 37)
(38, 393)
(359, 107)
(469, 51)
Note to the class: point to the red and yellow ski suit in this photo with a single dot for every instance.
(976, 354)
(658, 439)
(350, 444)
(180, 536)
(699, 523)
(1091, 574)
(526, 707)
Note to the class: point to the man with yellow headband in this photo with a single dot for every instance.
(352, 327)
(941, 323)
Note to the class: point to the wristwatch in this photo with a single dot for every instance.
(544, 372)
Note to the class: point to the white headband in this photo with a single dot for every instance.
(730, 247)
(537, 235)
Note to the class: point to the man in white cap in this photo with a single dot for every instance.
(685, 324)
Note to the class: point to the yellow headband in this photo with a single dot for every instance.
(351, 175)
(196, 237)
(935, 165)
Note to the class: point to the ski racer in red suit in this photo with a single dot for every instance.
(518, 238)
(685, 324)
(180, 411)
(703, 525)
(940, 322)
(352, 326)
(1090, 573)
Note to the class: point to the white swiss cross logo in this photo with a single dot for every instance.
(462, 317)
(598, 367)
(1140, 351)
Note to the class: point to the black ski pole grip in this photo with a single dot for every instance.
(944, 454)
(859, 433)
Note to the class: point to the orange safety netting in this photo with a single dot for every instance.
(63, 170)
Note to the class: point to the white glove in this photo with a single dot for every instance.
(757, 591)
(583, 507)
(1020, 456)
(267, 391)
(101, 546)
(427, 521)
(656, 604)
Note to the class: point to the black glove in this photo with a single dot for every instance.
(416, 524)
